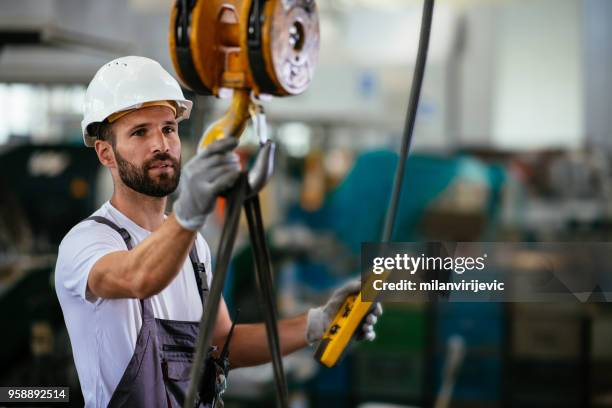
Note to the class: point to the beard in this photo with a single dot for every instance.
(137, 178)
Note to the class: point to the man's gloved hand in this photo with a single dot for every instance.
(203, 178)
(321, 317)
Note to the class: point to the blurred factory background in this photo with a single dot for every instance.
(513, 143)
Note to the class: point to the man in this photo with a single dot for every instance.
(127, 278)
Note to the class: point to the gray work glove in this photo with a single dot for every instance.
(321, 317)
(203, 178)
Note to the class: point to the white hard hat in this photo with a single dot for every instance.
(127, 83)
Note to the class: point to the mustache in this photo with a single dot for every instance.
(162, 157)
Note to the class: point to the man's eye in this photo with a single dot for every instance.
(169, 129)
(139, 132)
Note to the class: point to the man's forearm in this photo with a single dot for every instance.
(161, 256)
(249, 344)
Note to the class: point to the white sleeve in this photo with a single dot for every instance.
(79, 251)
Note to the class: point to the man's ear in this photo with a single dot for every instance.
(105, 153)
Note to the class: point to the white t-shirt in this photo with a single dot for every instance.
(103, 332)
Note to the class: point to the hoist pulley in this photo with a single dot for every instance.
(265, 46)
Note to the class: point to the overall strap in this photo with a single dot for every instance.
(122, 231)
(147, 308)
(199, 270)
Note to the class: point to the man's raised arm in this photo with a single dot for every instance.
(148, 268)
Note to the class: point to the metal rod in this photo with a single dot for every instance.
(413, 104)
(265, 286)
(211, 307)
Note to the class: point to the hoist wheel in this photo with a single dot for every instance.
(268, 46)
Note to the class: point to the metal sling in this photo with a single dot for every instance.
(244, 194)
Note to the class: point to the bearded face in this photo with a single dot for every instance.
(147, 150)
(156, 177)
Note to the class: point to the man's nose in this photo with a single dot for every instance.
(161, 142)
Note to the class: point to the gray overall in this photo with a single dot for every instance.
(157, 376)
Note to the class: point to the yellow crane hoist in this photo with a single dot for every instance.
(251, 47)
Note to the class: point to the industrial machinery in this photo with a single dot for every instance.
(247, 49)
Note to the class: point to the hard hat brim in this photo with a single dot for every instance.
(183, 112)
